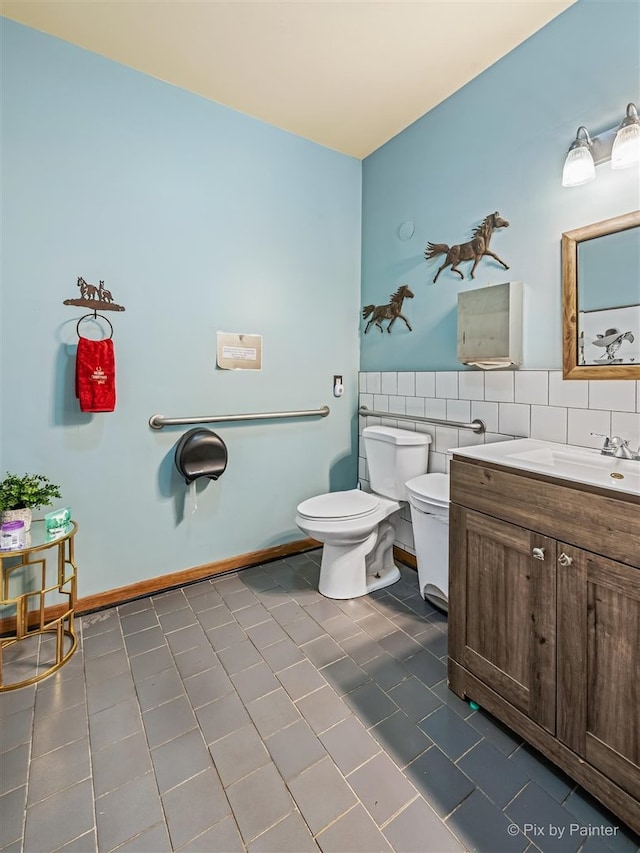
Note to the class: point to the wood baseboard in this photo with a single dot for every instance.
(121, 594)
(405, 558)
(152, 586)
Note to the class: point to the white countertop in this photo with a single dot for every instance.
(584, 465)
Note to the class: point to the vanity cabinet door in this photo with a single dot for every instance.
(503, 603)
(599, 663)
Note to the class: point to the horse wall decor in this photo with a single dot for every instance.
(473, 249)
(389, 312)
(90, 291)
(94, 296)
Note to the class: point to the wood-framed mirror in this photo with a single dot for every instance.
(601, 299)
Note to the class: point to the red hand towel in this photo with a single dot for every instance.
(96, 375)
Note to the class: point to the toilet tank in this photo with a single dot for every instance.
(394, 456)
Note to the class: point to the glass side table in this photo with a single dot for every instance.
(37, 603)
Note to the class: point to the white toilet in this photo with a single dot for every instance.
(356, 528)
(429, 504)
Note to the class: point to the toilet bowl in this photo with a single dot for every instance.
(357, 528)
(429, 506)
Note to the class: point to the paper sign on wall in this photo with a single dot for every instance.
(239, 352)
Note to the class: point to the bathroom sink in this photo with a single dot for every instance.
(564, 461)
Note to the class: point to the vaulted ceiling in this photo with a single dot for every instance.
(348, 75)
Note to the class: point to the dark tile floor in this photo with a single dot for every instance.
(250, 713)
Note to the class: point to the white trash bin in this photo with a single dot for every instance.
(429, 502)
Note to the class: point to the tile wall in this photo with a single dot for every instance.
(513, 404)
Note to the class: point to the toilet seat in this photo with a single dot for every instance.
(339, 506)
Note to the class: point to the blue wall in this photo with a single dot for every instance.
(608, 271)
(198, 219)
(499, 143)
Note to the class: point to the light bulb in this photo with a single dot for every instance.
(626, 145)
(579, 167)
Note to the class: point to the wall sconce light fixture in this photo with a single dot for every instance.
(620, 145)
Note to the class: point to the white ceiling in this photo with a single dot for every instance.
(348, 75)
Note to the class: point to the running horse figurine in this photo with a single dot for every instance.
(389, 312)
(473, 250)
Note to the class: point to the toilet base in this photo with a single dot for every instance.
(379, 581)
(344, 575)
(349, 571)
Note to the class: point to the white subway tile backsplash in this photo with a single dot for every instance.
(447, 384)
(487, 412)
(434, 407)
(535, 403)
(549, 423)
(366, 400)
(407, 384)
(499, 386)
(425, 384)
(364, 421)
(381, 402)
(575, 407)
(582, 422)
(471, 385)
(389, 383)
(573, 393)
(397, 404)
(515, 419)
(373, 383)
(489, 437)
(415, 406)
(532, 386)
(626, 425)
(404, 534)
(428, 429)
(617, 395)
(467, 438)
(459, 410)
(438, 463)
(446, 438)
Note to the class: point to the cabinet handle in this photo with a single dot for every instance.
(538, 553)
(565, 559)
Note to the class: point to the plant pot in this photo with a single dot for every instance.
(24, 514)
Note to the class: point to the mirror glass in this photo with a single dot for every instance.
(601, 300)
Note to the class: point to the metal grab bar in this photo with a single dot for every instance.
(475, 426)
(159, 421)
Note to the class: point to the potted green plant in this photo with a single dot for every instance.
(20, 495)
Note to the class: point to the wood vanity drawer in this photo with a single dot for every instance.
(581, 517)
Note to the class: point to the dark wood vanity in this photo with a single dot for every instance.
(544, 619)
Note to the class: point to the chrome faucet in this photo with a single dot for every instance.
(617, 447)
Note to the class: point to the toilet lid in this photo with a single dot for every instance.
(351, 504)
(433, 488)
